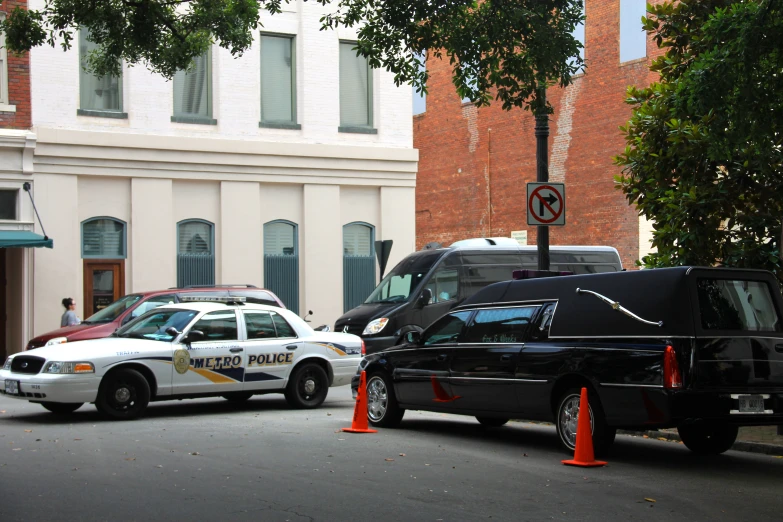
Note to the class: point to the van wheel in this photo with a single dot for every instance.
(567, 417)
(491, 422)
(62, 408)
(382, 407)
(237, 397)
(124, 394)
(307, 386)
(708, 438)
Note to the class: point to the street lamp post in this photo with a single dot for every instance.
(542, 172)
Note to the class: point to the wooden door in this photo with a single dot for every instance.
(104, 283)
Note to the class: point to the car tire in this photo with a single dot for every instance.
(708, 438)
(492, 422)
(62, 408)
(567, 415)
(382, 407)
(123, 395)
(237, 397)
(307, 387)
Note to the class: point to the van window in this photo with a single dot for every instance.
(583, 269)
(477, 277)
(500, 325)
(491, 259)
(737, 305)
(405, 278)
(444, 285)
(446, 329)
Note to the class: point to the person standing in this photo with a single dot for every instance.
(69, 318)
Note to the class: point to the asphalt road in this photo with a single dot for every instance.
(211, 460)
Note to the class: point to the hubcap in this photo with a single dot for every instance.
(377, 399)
(122, 395)
(569, 418)
(309, 386)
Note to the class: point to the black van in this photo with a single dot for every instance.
(427, 284)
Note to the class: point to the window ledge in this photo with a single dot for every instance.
(279, 125)
(7, 108)
(197, 120)
(643, 59)
(102, 114)
(357, 130)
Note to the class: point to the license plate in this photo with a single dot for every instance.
(748, 403)
(11, 387)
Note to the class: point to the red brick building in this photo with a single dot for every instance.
(14, 80)
(474, 163)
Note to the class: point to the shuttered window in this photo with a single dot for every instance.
(281, 262)
(278, 99)
(355, 88)
(103, 238)
(195, 253)
(97, 93)
(193, 89)
(358, 264)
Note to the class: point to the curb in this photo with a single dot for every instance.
(740, 445)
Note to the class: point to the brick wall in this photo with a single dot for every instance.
(473, 159)
(18, 82)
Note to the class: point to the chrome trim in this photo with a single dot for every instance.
(628, 337)
(617, 385)
(494, 379)
(737, 412)
(616, 306)
(764, 396)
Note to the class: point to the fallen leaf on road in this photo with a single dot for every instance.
(195, 453)
(328, 414)
(662, 438)
(77, 439)
(28, 431)
(37, 440)
(75, 469)
(649, 499)
(158, 466)
(402, 454)
(131, 458)
(389, 460)
(524, 454)
(2, 411)
(16, 449)
(645, 436)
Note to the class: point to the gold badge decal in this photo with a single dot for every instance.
(181, 360)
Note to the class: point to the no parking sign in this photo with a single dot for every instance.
(546, 204)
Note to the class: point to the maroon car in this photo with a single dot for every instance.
(121, 311)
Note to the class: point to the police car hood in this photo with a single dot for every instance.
(83, 350)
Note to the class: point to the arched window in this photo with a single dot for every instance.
(195, 253)
(281, 262)
(358, 263)
(103, 238)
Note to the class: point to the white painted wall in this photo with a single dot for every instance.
(240, 233)
(323, 260)
(152, 236)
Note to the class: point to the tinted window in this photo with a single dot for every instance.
(151, 304)
(283, 328)
(737, 305)
(218, 326)
(446, 329)
(540, 331)
(259, 325)
(256, 297)
(500, 325)
(477, 277)
(491, 259)
(114, 310)
(153, 325)
(583, 269)
(444, 285)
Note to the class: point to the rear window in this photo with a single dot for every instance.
(727, 304)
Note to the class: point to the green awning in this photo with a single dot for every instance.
(23, 239)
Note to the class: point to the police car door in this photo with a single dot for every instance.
(216, 364)
(271, 348)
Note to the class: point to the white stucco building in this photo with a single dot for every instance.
(278, 168)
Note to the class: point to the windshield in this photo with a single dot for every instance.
(153, 324)
(114, 310)
(400, 283)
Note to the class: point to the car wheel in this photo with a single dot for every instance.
(491, 422)
(124, 394)
(382, 407)
(62, 408)
(708, 438)
(237, 396)
(307, 387)
(567, 417)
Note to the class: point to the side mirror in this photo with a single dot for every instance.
(413, 337)
(424, 298)
(172, 331)
(322, 328)
(194, 336)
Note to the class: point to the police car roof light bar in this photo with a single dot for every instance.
(212, 299)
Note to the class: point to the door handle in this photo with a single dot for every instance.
(505, 357)
(441, 357)
(291, 347)
(235, 350)
(779, 348)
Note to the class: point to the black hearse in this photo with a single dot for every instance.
(427, 284)
(700, 349)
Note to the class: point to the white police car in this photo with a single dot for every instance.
(204, 347)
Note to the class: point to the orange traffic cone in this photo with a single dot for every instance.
(583, 453)
(359, 424)
(441, 395)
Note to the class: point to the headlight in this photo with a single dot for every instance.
(68, 367)
(56, 340)
(375, 326)
(7, 365)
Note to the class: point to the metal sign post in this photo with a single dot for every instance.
(382, 251)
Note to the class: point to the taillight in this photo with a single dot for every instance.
(672, 378)
(364, 350)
